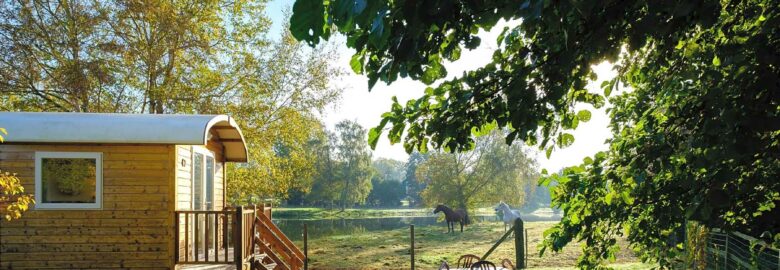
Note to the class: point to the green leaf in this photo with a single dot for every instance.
(548, 152)
(374, 133)
(373, 137)
(501, 36)
(308, 21)
(565, 140)
(356, 63)
(584, 115)
(607, 86)
(432, 73)
(587, 160)
(716, 61)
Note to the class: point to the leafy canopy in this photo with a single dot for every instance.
(696, 137)
(157, 56)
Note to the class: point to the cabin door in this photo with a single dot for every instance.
(203, 196)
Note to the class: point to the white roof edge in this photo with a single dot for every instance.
(116, 128)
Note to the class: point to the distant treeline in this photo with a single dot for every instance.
(346, 176)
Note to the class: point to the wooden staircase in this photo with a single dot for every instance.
(243, 237)
(271, 248)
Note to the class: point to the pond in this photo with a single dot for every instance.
(293, 228)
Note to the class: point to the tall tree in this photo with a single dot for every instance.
(51, 57)
(278, 110)
(208, 57)
(696, 137)
(354, 158)
(414, 186)
(129, 56)
(387, 188)
(493, 171)
(324, 190)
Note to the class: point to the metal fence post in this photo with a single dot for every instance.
(726, 251)
(411, 231)
(519, 244)
(525, 259)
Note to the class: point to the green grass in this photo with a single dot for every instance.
(390, 249)
(322, 213)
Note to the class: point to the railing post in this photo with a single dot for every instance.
(176, 237)
(519, 249)
(238, 241)
(411, 251)
(305, 247)
(195, 236)
(225, 244)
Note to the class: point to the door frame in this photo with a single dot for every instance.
(206, 153)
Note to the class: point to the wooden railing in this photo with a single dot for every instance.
(277, 241)
(244, 234)
(203, 237)
(209, 237)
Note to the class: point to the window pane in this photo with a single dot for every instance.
(68, 180)
(209, 183)
(197, 179)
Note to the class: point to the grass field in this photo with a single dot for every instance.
(390, 249)
(322, 213)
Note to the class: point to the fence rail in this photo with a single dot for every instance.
(734, 250)
(202, 237)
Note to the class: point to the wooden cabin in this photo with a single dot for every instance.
(132, 191)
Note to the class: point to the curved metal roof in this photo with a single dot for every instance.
(49, 127)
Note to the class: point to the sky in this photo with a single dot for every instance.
(365, 107)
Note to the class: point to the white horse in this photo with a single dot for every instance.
(509, 214)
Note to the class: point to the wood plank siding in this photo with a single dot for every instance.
(131, 231)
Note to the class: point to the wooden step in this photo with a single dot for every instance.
(259, 257)
(258, 262)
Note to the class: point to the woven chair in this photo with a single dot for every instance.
(483, 265)
(466, 261)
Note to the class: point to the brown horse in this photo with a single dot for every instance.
(452, 216)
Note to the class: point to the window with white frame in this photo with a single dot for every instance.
(68, 180)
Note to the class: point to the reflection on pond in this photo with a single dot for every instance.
(293, 228)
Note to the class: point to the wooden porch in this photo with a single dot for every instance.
(234, 238)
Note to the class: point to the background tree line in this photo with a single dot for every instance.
(346, 177)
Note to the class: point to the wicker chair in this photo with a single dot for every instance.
(466, 261)
(483, 265)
